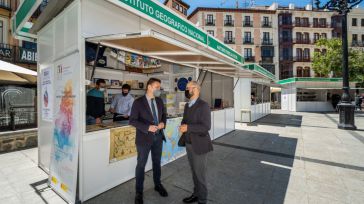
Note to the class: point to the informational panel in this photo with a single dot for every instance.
(47, 94)
(171, 151)
(66, 129)
(122, 143)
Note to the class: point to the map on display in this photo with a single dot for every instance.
(122, 143)
(171, 151)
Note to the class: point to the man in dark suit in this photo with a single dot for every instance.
(195, 126)
(148, 116)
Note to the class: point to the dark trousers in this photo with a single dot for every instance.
(198, 165)
(143, 153)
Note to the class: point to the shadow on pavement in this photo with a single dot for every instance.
(245, 167)
(279, 120)
(40, 187)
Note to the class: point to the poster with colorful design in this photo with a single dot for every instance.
(47, 94)
(64, 152)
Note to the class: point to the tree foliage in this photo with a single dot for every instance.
(329, 63)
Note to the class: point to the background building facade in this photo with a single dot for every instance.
(251, 32)
(356, 29)
(281, 39)
(299, 30)
(16, 51)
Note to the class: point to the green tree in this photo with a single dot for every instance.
(330, 61)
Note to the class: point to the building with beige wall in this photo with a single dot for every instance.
(299, 30)
(356, 28)
(251, 32)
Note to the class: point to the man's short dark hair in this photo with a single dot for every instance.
(152, 81)
(100, 81)
(126, 86)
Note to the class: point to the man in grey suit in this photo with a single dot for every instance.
(195, 126)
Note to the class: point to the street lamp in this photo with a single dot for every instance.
(346, 108)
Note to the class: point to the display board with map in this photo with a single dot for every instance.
(122, 143)
(171, 151)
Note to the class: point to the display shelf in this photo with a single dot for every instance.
(122, 70)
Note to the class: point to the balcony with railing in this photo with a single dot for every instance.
(301, 41)
(321, 25)
(269, 67)
(285, 23)
(248, 41)
(266, 24)
(357, 44)
(315, 40)
(285, 40)
(302, 24)
(209, 22)
(228, 22)
(249, 58)
(229, 40)
(247, 23)
(286, 58)
(5, 4)
(268, 64)
(267, 41)
(336, 25)
(17, 54)
(266, 60)
(301, 59)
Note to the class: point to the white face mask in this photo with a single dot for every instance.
(102, 89)
(157, 93)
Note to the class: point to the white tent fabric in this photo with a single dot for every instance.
(5, 66)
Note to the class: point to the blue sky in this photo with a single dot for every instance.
(231, 3)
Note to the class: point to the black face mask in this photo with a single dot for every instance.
(188, 94)
(125, 94)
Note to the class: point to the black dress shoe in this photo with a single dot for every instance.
(191, 199)
(139, 198)
(161, 190)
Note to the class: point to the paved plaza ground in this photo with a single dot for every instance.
(283, 158)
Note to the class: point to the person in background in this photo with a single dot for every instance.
(121, 104)
(95, 103)
(335, 99)
(195, 127)
(357, 98)
(149, 117)
(252, 98)
(360, 102)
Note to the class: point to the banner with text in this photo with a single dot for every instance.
(47, 94)
(66, 132)
(167, 18)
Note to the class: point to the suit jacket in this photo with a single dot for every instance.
(198, 120)
(141, 118)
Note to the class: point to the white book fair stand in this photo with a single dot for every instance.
(139, 40)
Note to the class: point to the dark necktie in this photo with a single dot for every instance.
(155, 118)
